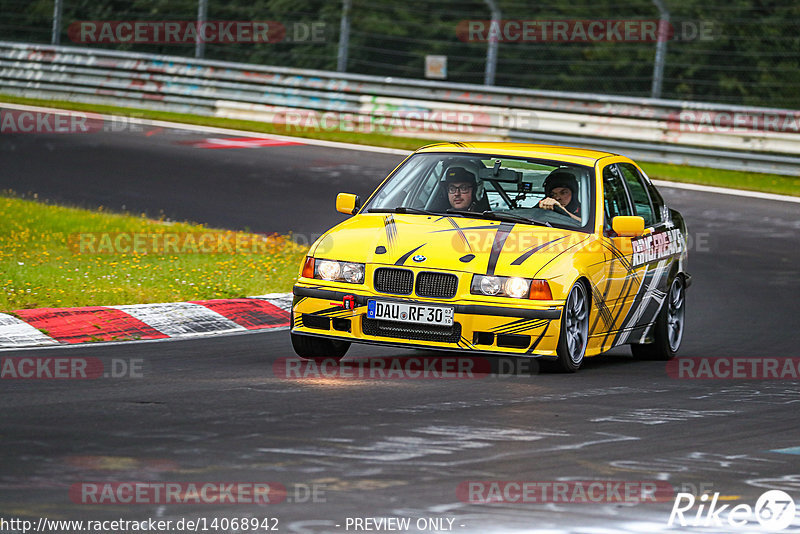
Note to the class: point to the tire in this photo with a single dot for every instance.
(317, 348)
(668, 328)
(574, 330)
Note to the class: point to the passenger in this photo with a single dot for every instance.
(561, 189)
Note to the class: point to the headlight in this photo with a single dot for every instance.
(353, 272)
(516, 287)
(339, 271)
(510, 286)
(490, 285)
(329, 270)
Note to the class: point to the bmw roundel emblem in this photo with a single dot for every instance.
(419, 258)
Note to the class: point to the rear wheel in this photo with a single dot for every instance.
(668, 328)
(317, 348)
(574, 330)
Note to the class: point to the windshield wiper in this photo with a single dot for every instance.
(498, 216)
(402, 209)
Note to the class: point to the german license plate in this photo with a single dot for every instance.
(410, 313)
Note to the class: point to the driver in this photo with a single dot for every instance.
(561, 189)
(461, 185)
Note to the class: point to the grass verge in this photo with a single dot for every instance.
(768, 183)
(749, 181)
(55, 256)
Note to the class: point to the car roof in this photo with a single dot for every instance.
(578, 156)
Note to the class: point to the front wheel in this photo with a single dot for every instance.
(574, 330)
(317, 348)
(668, 329)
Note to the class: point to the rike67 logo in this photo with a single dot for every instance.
(774, 510)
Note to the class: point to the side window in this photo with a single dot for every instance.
(427, 186)
(639, 197)
(614, 195)
(661, 211)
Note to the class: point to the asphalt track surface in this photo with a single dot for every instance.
(215, 409)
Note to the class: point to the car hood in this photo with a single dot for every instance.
(446, 243)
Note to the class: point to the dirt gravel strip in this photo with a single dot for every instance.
(68, 326)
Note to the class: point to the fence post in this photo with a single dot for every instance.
(491, 51)
(661, 48)
(202, 15)
(344, 36)
(57, 9)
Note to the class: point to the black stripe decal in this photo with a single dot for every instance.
(499, 240)
(460, 233)
(391, 230)
(336, 314)
(602, 298)
(649, 283)
(538, 339)
(619, 255)
(602, 308)
(622, 305)
(558, 256)
(526, 324)
(512, 324)
(482, 227)
(518, 330)
(327, 311)
(528, 253)
(408, 254)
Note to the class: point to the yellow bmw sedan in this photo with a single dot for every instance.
(499, 248)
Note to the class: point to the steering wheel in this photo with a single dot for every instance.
(561, 209)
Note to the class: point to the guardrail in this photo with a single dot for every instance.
(696, 133)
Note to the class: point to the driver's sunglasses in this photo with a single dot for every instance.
(453, 189)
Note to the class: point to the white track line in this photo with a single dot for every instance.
(727, 191)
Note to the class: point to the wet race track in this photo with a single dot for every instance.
(221, 409)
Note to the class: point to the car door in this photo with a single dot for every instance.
(652, 255)
(622, 279)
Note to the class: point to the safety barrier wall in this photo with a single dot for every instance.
(698, 133)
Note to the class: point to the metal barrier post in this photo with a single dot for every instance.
(491, 52)
(661, 48)
(57, 9)
(202, 15)
(344, 36)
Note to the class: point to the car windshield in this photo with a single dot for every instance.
(490, 187)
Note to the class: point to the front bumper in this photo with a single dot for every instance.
(530, 330)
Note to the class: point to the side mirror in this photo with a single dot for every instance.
(628, 225)
(347, 203)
